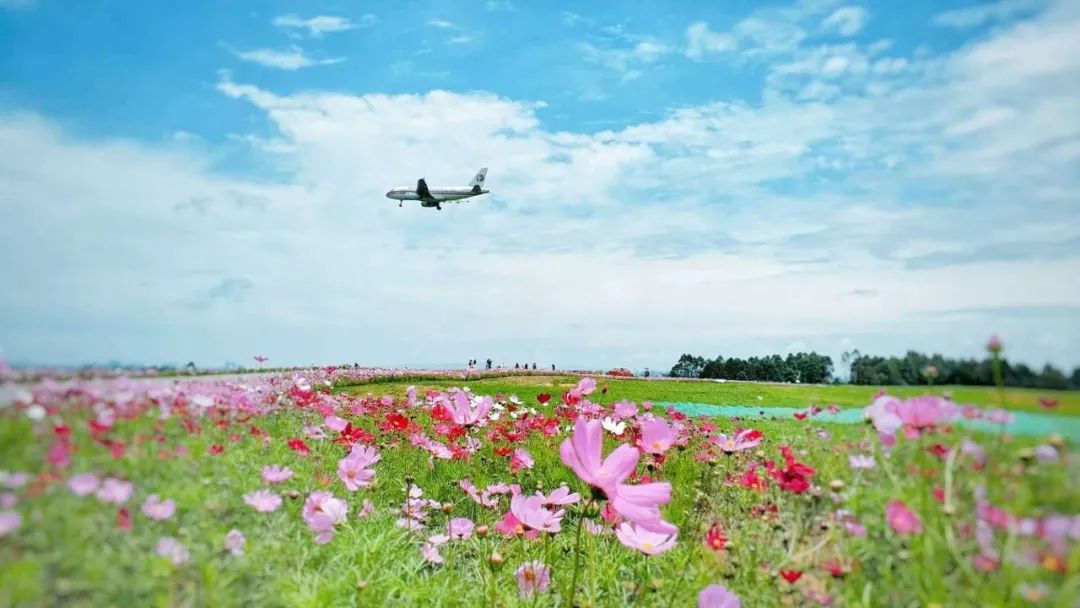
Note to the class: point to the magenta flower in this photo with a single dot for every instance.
(463, 411)
(855, 528)
(994, 345)
(716, 596)
(276, 474)
(171, 548)
(861, 461)
(914, 415)
(532, 577)
(263, 501)
(84, 484)
(582, 453)
(155, 508)
(460, 528)
(354, 469)
(366, 509)
(561, 497)
(322, 512)
(531, 512)
(903, 521)
(115, 490)
(646, 541)
(9, 522)
(234, 542)
(509, 525)
(625, 409)
(335, 424)
(521, 459)
(743, 440)
(656, 436)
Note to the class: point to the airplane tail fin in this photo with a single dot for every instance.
(478, 181)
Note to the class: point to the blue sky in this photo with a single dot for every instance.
(204, 182)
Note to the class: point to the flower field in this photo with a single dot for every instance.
(314, 489)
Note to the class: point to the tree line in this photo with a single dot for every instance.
(805, 368)
(912, 369)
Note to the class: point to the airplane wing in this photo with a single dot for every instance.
(422, 190)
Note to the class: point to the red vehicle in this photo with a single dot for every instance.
(621, 371)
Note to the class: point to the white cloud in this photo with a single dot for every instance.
(847, 20)
(291, 60)
(322, 24)
(460, 40)
(974, 16)
(700, 41)
(441, 24)
(571, 19)
(628, 62)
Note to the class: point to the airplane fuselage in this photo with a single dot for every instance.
(438, 195)
(435, 197)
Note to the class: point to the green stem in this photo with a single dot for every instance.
(577, 554)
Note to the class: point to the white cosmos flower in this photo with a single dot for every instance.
(613, 427)
(35, 412)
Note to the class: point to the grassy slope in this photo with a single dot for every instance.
(743, 393)
(69, 552)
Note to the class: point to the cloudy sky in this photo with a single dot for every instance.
(205, 181)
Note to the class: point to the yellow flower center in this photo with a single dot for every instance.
(656, 445)
(646, 546)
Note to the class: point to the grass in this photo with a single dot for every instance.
(70, 552)
(743, 393)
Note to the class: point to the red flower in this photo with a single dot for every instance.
(543, 398)
(791, 575)
(216, 449)
(792, 478)
(397, 421)
(123, 518)
(800, 415)
(441, 413)
(503, 452)
(751, 480)
(938, 450)
(715, 538)
(61, 431)
(939, 494)
(298, 446)
(835, 569)
(1047, 402)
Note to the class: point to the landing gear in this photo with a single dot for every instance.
(400, 203)
(439, 207)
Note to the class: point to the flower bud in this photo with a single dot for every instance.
(481, 531)
(447, 507)
(836, 485)
(495, 559)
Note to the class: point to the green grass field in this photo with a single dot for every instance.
(69, 550)
(745, 393)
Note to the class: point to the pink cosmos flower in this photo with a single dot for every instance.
(646, 541)
(532, 577)
(335, 424)
(914, 415)
(13, 481)
(520, 460)
(509, 525)
(531, 512)
(861, 461)
(115, 490)
(561, 497)
(743, 440)
(366, 509)
(430, 550)
(463, 411)
(625, 409)
(582, 453)
(234, 542)
(994, 345)
(84, 484)
(263, 501)
(1046, 454)
(314, 432)
(656, 436)
(903, 521)
(58, 455)
(855, 528)
(716, 596)
(8, 500)
(276, 474)
(171, 548)
(322, 512)
(460, 528)
(354, 469)
(9, 522)
(155, 508)
(594, 528)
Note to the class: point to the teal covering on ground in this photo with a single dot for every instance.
(1023, 423)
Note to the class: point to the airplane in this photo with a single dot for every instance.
(435, 197)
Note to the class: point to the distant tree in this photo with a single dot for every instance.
(688, 366)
